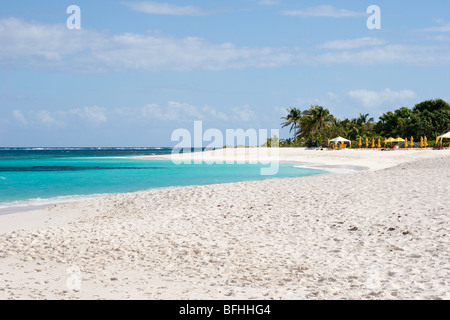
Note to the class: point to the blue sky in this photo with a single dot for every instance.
(137, 70)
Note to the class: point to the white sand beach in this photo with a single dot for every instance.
(379, 233)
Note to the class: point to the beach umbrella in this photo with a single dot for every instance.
(336, 141)
(421, 142)
(425, 143)
(444, 136)
(360, 143)
(367, 142)
(340, 139)
(379, 143)
(411, 144)
(373, 143)
(406, 143)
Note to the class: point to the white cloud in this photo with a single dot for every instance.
(128, 112)
(374, 99)
(173, 111)
(176, 111)
(59, 118)
(352, 43)
(243, 113)
(439, 38)
(45, 42)
(53, 47)
(18, 115)
(327, 100)
(153, 7)
(44, 117)
(211, 112)
(155, 112)
(389, 54)
(281, 111)
(324, 11)
(269, 2)
(444, 26)
(95, 114)
(41, 117)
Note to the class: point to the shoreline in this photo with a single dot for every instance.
(28, 205)
(375, 234)
(264, 155)
(320, 161)
(367, 158)
(50, 202)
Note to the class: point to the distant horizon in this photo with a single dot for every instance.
(124, 73)
(154, 146)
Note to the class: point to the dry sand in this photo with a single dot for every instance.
(378, 234)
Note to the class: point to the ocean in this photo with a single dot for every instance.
(32, 177)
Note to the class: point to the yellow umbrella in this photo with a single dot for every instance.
(425, 143)
(379, 143)
(406, 143)
(421, 142)
(367, 143)
(437, 140)
(359, 143)
(411, 144)
(373, 143)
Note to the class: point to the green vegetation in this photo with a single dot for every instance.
(274, 141)
(315, 126)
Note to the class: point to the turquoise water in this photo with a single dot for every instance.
(25, 178)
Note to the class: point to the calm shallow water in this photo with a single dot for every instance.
(50, 176)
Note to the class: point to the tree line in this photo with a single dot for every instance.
(316, 125)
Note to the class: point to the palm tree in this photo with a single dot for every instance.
(364, 123)
(289, 141)
(286, 142)
(336, 122)
(293, 119)
(353, 133)
(316, 118)
(364, 119)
